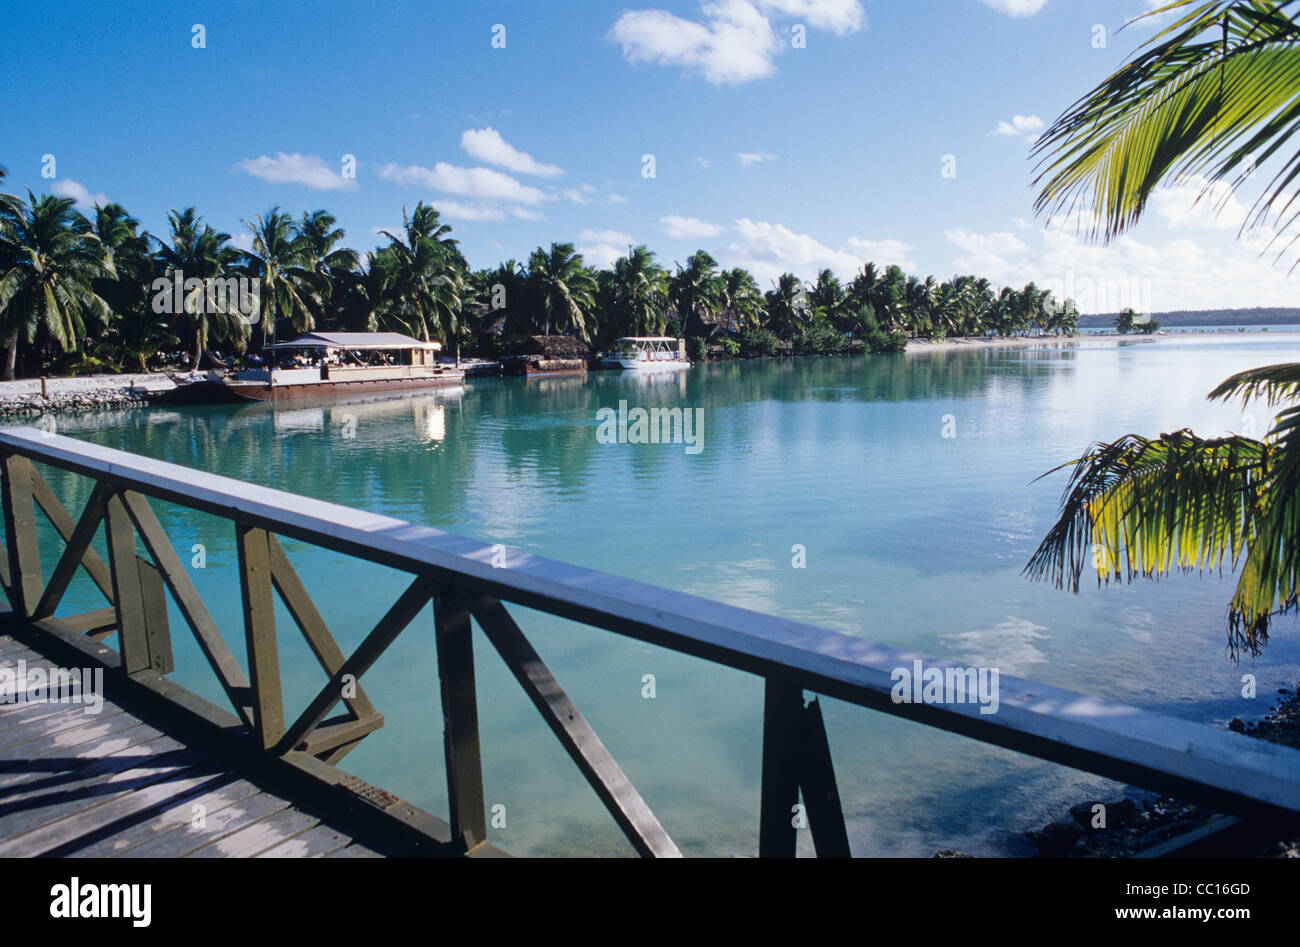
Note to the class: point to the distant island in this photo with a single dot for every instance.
(1211, 317)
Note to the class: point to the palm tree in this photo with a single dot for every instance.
(365, 296)
(281, 261)
(828, 298)
(429, 276)
(47, 290)
(562, 288)
(694, 292)
(788, 311)
(1213, 88)
(137, 332)
(740, 298)
(639, 291)
(198, 252)
(333, 265)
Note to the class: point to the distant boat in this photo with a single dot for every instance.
(649, 353)
(345, 363)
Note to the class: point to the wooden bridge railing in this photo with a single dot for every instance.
(467, 581)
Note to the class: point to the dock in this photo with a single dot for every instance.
(266, 777)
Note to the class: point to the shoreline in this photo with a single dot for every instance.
(1140, 820)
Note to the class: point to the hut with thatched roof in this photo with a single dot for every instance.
(545, 355)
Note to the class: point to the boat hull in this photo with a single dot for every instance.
(261, 391)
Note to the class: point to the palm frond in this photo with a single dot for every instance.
(1148, 507)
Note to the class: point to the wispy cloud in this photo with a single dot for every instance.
(477, 183)
(308, 170)
(66, 187)
(458, 211)
(688, 228)
(487, 145)
(1016, 7)
(734, 43)
(767, 250)
(754, 157)
(1027, 125)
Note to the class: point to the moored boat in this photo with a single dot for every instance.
(343, 363)
(649, 353)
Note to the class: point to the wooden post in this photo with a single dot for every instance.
(259, 632)
(821, 794)
(782, 709)
(20, 531)
(132, 630)
(460, 718)
(158, 634)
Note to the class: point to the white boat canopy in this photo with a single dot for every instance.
(356, 341)
(647, 338)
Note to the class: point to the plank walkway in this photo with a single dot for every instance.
(114, 784)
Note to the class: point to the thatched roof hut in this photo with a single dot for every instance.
(550, 346)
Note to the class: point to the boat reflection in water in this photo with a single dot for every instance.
(427, 413)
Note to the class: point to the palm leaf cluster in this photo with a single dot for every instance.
(1214, 94)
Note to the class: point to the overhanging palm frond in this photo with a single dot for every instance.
(1145, 508)
(1213, 94)
(1271, 384)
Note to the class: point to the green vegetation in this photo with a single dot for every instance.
(1219, 85)
(95, 294)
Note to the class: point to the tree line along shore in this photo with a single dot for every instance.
(95, 293)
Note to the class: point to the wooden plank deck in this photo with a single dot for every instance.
(117, 785)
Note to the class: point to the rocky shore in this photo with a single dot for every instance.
(34, 405)
(1134, 825)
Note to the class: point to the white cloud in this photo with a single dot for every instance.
(1180, 273)
(754, 157)
(840, 16)
(986, 253)
(702, 163)
(1027, 125)
(883, 253)
(309, 170)
(736, 42)
(458, 211)
(1016, 7)
(688, 228)
(487, 145)
(66, 187)
(242, 241)
(768, 250)
(601, 255)
(607, 236)
(479, 183)
(1182, 205)
(617, 199)
(575, 195)
(523, 213)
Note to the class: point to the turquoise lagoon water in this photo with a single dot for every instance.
(911, 538)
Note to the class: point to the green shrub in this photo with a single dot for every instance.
(758, 342)
(731, 347)
(821, 339)
(697, 349)
(882, 340)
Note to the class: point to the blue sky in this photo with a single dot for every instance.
(766, 155)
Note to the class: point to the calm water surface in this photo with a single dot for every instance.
(911, 538)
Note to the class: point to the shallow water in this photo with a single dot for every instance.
(910, 538)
